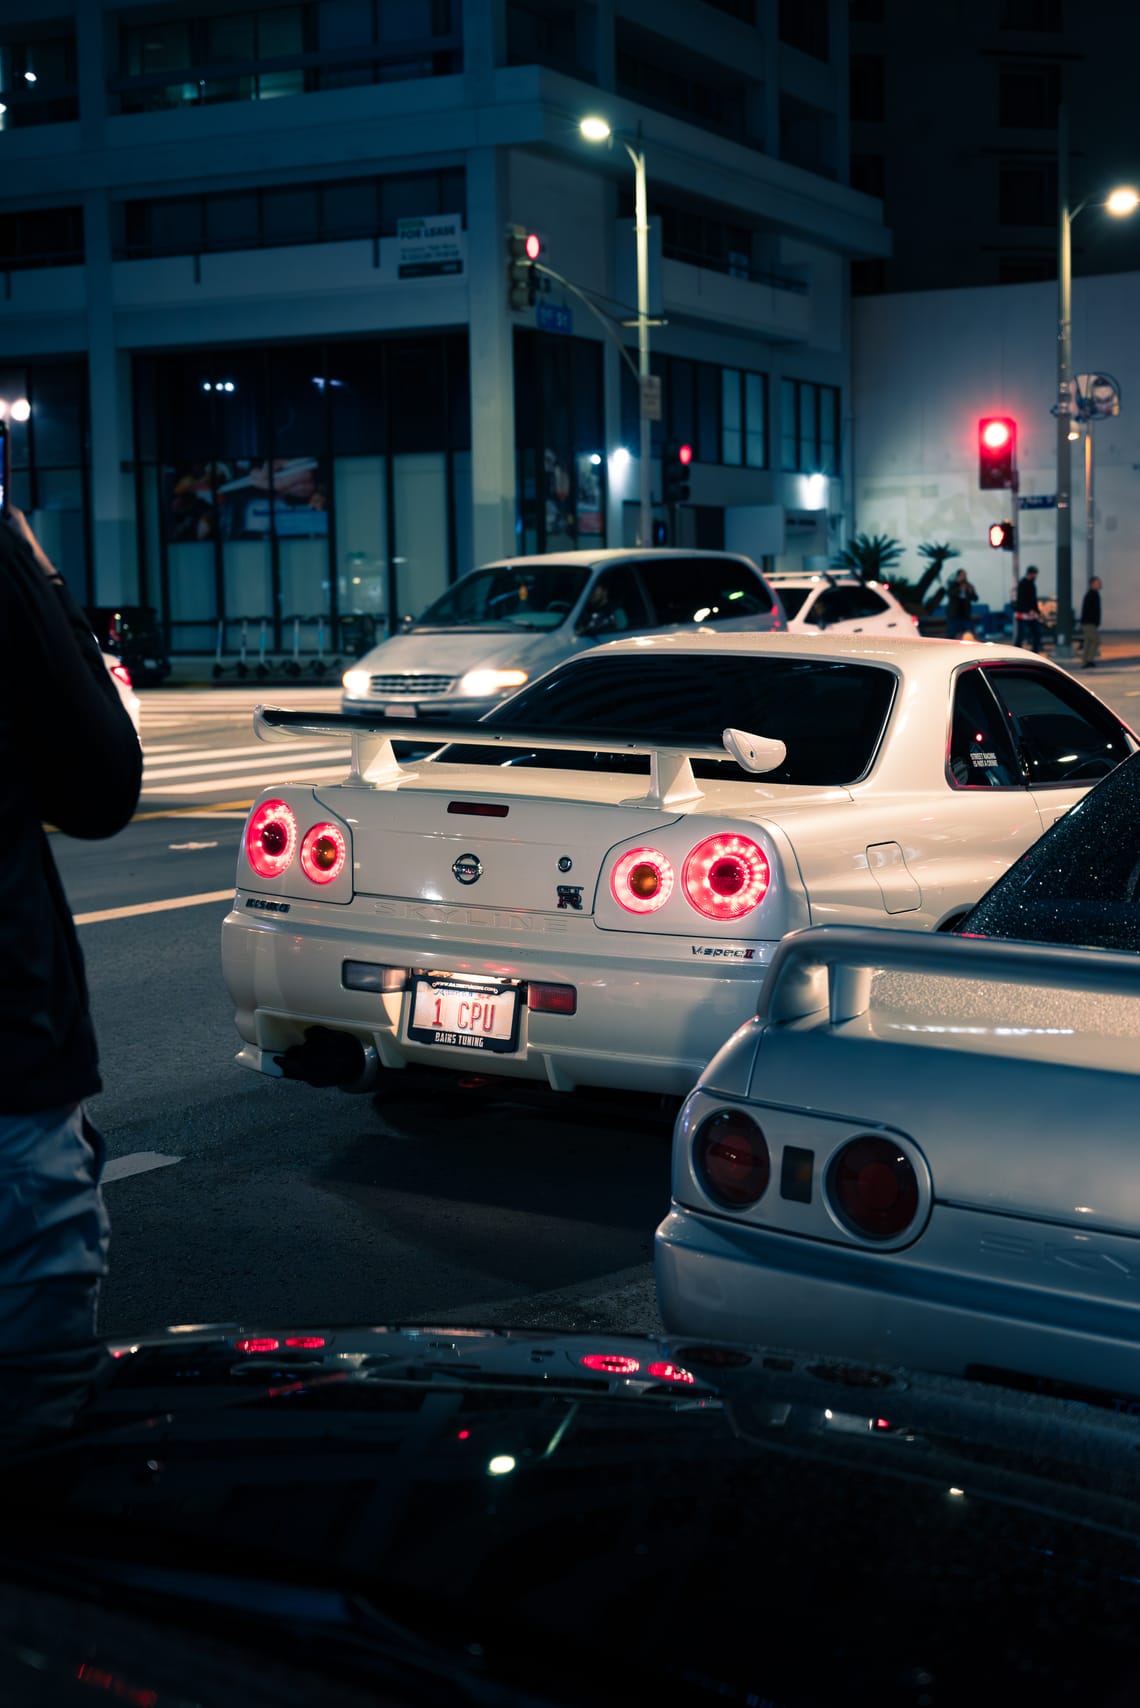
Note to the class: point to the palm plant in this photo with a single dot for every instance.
(868, 556)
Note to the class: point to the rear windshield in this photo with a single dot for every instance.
(829, 715)
(511, 597)
(1080, 884)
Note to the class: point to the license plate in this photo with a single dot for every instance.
(464, 1016)
(150, 664)
(399, 711)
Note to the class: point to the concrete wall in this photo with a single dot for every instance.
(927, 365)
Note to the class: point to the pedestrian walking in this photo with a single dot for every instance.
(1027, 611)
(960, 598)
(69, 757)
(1090, 623)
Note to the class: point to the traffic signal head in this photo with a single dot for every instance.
(1002, 536)
(675, 461)
(997, 452)
(523, 249)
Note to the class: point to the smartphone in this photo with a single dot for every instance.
(5, 468)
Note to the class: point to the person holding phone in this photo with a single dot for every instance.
(69, 757)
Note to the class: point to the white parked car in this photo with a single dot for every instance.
(840, 604)
(506, 624)
(587, 886)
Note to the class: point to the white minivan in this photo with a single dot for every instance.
(499, 627)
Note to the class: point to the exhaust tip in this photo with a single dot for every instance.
(327, 1059)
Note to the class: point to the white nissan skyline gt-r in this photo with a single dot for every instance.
(586, 887)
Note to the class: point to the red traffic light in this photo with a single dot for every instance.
(533, 246)
(997, 452)
(685, 455)
(997, 534)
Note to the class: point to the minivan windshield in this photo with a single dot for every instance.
(830, 715)
(510, 596)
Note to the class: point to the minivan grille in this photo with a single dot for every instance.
(411, 684)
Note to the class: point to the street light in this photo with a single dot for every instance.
(1121, 202)
(596, 129)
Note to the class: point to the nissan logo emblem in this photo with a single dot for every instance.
(468, 868)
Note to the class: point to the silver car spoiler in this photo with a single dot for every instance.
(374, 762)
(830, 967)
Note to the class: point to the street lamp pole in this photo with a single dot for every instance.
(645, 520)
(1064, 391)
(596, 129)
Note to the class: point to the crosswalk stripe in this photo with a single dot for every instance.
(166, 906)
(255, 781)
(266, 749)
(192, 768)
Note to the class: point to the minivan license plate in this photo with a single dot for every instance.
(464, 1016)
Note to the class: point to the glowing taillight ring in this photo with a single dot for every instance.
(271, 839)
(643, 880)
(323, 853)
(725, 877)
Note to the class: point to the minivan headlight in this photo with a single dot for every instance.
(356, 684)
(478, 683)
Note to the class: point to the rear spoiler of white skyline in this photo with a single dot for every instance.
(830, 967)
(374, 762)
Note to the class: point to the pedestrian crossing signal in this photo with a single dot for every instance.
(1002, 536)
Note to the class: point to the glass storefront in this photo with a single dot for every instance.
(560, 440)
(285, 489)
(50, 478)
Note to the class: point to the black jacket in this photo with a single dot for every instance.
(960, 598)
(69, 757)
(1090, 607)
(1026, 597)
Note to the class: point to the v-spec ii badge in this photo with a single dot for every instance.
(468, 868)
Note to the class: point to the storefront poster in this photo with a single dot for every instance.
(244, 499)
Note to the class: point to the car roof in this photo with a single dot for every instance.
(912, 654)
(841, 577)
(618, 554)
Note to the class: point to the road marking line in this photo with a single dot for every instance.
(153, 907)
(139, 1162)
(224, 809)
(177, 847)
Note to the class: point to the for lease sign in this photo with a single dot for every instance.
(429, 247)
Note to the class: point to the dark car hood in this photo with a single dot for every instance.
(522, 1516)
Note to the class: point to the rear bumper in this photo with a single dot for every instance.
(721, 1280)
(644, 1022)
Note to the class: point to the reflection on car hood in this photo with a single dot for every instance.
(451, 652)
(567, 1518)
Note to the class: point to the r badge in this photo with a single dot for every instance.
(468, 868)
(570, 895)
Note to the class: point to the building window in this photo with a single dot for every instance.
(286, 214)
(1039, 16)
(866, 11)
(1028, 97)
(868, 173)
(868, 88)
(560, 440)
(668, 76)
(745, 10)
(721, 412)
(38, 75)
(803, 25)
(706, 240)
(809, 427)
(268, 51)
(559, 36)
(41, 237)
(1027, 194)
(807, 136)
(868, 278)
(1026, 269)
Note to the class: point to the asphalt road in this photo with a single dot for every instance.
(243, 1199)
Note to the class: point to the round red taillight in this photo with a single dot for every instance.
(271, 839)
(323, 853)
(725, 877)
(642, 881)
(731, 1158)
(873, 1188)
